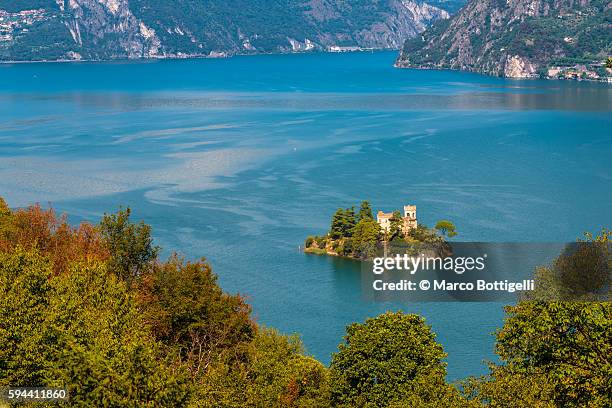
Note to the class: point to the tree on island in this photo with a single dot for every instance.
(343, 222)
(365, 211)
(350, 220)
(359, 235)
(423, 234)
(396, 226)
(366, 236)
(446, 228)
(337, 224)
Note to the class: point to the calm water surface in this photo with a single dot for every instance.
(238, 160)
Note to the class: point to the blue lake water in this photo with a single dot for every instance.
(239, 160)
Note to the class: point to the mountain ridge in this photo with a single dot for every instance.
(519, 39)
(36, 30)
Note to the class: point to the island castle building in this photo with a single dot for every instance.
(409, 219)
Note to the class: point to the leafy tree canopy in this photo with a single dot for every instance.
(343, 222)
(189, 313)
(388, 359)
(171, 337)
(365, 211)
(556, 353)
(366, 236)
(446, 228)
(130, 244)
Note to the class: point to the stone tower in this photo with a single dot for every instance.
(410, 211)
(410, 217)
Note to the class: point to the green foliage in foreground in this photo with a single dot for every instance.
(581, 272)
(125, 329)
(390, 359)
(553, 353)
(272, 371)
(81, 330)
(130, 245)
(168, 335)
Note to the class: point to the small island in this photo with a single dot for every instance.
(358, 235)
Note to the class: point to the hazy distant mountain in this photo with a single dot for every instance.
(519, 38)
(109, 29)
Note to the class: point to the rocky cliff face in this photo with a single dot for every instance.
(516, 38)
(110, 29)
(386, 27)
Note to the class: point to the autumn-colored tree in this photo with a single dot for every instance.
(52, 235)
(506, 388)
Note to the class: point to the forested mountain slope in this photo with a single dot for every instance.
(519, 38)
(112, 29)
